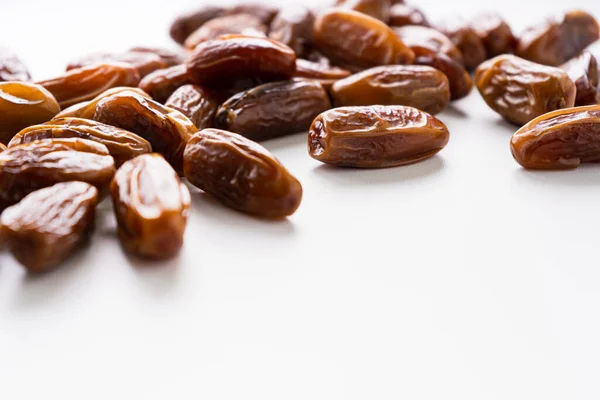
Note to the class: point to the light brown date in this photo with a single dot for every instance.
(264, 12)
(196, 103)
(583, 70)
(459, 79)
(375, 136)
(144, 62)
(87, 109)
(243, 24)
(496, 34)
(379, 9)
(463, 35)
(325, 74)
(162, 83)
(11, 68)
(293, 26)
(169, 57)
(2, 147)
(424, 41)
(187, 23)
(402, 15)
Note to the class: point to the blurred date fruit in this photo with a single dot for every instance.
(169, 57)
(583, 70)
(463, 35)
(187, 23)
(11, 68)
(495, 33)
(293, 26)
(424, 41)
(402, 15)
(145, 63)
(244, 24)
(379, 9)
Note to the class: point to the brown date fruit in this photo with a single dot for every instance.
(2, 147)
(220, 63)
(169, 57)
(50, 225)
(264, 12)
(144, 63)
(466, 39)
(356, 41)
(196, 103)
(495, 33)
(324, 74)
(424, 41)
(23, 104)
(561, 139)
(11, 68)
(557, 40)
(152, 207)
(244, 24)
(81, 84)
(402, 15)
(162, 83)
(379, 9)
(375, 136)
(583, 70)
(460, 81)
(87, 109)
(521, 90)
(293, 26)
(187, 23)
(273, 110)
(36, 165)
(241, 174)
(121, 144)
(166, 129)
(416, 86)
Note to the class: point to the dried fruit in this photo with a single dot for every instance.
(520, 90)
(495, 33)
(264, 12)
(460, 81)
(11, 68)
(162, 83)
(425, 41)
(561, 139)
(375, 136)
(170, 58)
(152, 207)
(241, 174)
(293, 26)
(196, 103)
(466, 39)
(81, 84)
(324, 74)
(379, 9)
(87, 109)
(402, 15)
(186, 24)
(144, 63)
(583, 70)
(49, 225)
(2, 147)
(23, 104)
(244, 24)
(416, 86)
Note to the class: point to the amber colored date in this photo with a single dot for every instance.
(162, 83)
(421, 87)
(87, 109)
(402, 15)
(144, 62)
(11, 68)
(242, 24)
(241, 174)
(187, 23)
(460, 81)
(496, 34)
(561, 139)
(169, 57)
(50, 225)
(293, 26)
(466, 39)
(424, 41)
(583, 70)
(379, 9)
(196, 103)
(325, 74)
(521, 90)
(375, 136)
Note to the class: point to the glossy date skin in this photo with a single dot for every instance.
(187, 23)
(355, 41)
(273, 110)
(375, 136)
(466, 39)
(459, 79)
(379, 9)
(520, 90)
(87, 109)
(583, 70)
(152, 207)
(326, 75)
(196, 103)
(243, 24)
(50, 225)
(23, 104)
(424, 41)
(162, 83)
(241, 174)
(421, 87)
(11, 68)
(293, 26)
(496, 34)
(402, 15)
(144, 62)
(561, 139)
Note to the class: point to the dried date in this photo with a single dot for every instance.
(424, 41)
(196, 103)
(325, 74)
(293, 26)
(496, 34)
(244, 24)
(466, 39)
(186, 24)
(169, 57)
(87, 109)
(144, 63)
(402, 15)
(11, 68)
(162, 83)
(379, 9)
(460, 81)
(583, 70)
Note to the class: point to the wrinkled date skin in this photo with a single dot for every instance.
(169, 57)
(273, 110)
(561, 139)
(220, 63)
(196, 103)
(36, 165)
(416, 86)
(557, 40)
(81, 84)
(402, 15)
(379, 9)
(293, 26)
(87, 109)
(121, 144)
(23, 104)
(11, 68)
(244, 24)
(466, 39)
(166, 129)
(583, 70)
(424, 41)
(186, 24)
(495, 33)
(356, 41)
(144, 62)
(324, 74)
(520, 90)
(162, 83)
(375, 136)
(50, 225)
(241, 174)
(152, 207)
(460, 81)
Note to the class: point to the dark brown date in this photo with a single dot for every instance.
(416, 86)
(186, 24)
(11, 68)
(241, 174)
(324, 74)
(375, 136)
(220, 63)
(293, 26)
(81, 84)
(356, 41)
(583, 70)
(379, 9)
(50, 225)
(460, 81)
(521, 90)
(561, 139)
(196, 103)
(144, 63)
(162, 83)
(262, 11)
(402, 15)
(169, 57)
(495, 33)
(273, 110)
(466, 39)
(87, 109)
(243, 24)
(23, 104)
(424, 41)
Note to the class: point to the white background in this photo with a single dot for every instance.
(461, 277)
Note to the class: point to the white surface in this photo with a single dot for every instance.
(462, 277)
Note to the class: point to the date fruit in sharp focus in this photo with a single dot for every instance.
(81, 84)
(463, 35)
(162, 83)
(557, 40)
(324, 74)
(584, 71)
(145, 63)
(495, 33)
(241, 174)
(561, 139)
(50, 225)
(187, 23)
(87, 109)
(460, 81)
(273, 110)
(169, 57)
(152, 207)
(521, 90)
(11, 68)
(243, 24)
(424, 41)
(416, 86)
(23, 104)
(379, 9)
(293, 26)
(375, 136)
(402, 15)
(196, 103)
(356, 41)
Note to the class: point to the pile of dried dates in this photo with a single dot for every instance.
(363, 77)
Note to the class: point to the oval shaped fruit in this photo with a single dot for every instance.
(196, 103)
(459, 78)
(561, 139)
(495, 33)
(379, 9)
(23, 104)
(356, 41)
(11, 68)
(293, 26)
(403, 14)
(169, 57)
(424, 41)
(273, 110)
(416, 86)
(583, 70)
(144, 62)
(187, 23)
(87, 109)
(162, 83)
(520, 90)
(466, 39)
(375, 136)
(50, 225)
(242, 24)
(325, 74)
(241, 174)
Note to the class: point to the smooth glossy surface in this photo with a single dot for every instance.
(243, 24)
(583, 70)
(11, 67)
(162, 83)
(379, 9)
(403, 14)
(424, 41)
(196, 103)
